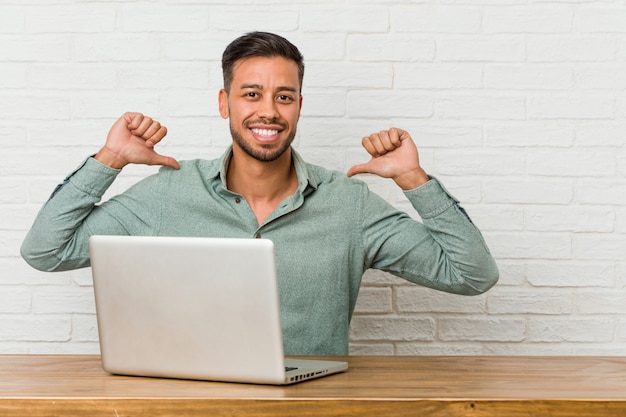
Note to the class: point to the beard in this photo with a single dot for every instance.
(266, 152)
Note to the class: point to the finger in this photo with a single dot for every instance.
(143, 127)
(358, 169)
(369, 143)
(168, 161)
(378, 141)
(156, 137)
(133, 119)
(395, 137)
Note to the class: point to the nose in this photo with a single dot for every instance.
(268, 108)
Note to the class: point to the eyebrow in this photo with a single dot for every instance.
(260, 87)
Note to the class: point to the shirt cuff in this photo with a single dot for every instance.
(91, 177)
(430, 199)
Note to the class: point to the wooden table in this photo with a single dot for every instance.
(65, 385)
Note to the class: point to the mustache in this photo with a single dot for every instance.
(266, 121)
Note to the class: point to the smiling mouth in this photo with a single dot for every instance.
(265, 132)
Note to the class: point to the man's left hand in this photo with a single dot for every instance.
(395, 156)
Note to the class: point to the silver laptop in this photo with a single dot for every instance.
(193, 308)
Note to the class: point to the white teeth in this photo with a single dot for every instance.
(265, 132)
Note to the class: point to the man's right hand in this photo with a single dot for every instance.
(131, 140)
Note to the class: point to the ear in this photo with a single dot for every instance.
(222, 99)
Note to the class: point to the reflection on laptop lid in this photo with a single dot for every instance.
(193, 308)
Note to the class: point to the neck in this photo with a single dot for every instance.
(263, 184)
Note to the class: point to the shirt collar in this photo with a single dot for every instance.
(306, 178)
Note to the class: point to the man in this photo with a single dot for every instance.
(327, 229)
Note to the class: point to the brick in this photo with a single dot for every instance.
(111, 106)
(14, 271)
(377, 349)
(13, 76)
(367, 75)
(570, 274)
(116, 48)
(84, 328)
(448, 348)
(571, 49)
(13, 136)
(49, 48)
(324, 104)
(75, 18)
(374, 300)
(487, 107)
(373, 328)
(608, 301)
(601, 134)
(66, 300)
(517, 245)
(55, 76)
(456, 162)
(481, 49)
(438, 76)
(443, 136)
(530, 134)
(11, 19)
(528, 20)
(526, 77)
(69, 133)
(600, 77)
(571, 107)
(612, 192)
(574, 329)
(345, 19)
(621, 330)
(375, 277)
(609, 247)
(384, 104)
(320, 46)
(10, 242)
(420, 19)
(378, 48)
(195, 103)
(497, 218)
(528, 191)
(469, 329)
(233, 19)
(187, 47)
(601, 19)
(15, 300)
(28, 328)
(17, 217)
(30, 106)
(512, 273)
(189, 75)
(159, 19)
(325, 132)
(534, 301)
(572, 218)
(13, 191)
(620, 220)
(416, 299)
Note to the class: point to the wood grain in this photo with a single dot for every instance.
(52, 385)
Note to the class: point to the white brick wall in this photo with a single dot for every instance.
(518, 106)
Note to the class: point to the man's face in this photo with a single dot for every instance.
(263, 106)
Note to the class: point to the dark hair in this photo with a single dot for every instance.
(255, 44)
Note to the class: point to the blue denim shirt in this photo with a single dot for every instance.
(326, 235)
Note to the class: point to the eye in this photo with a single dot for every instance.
(252, 94)
(284, 98)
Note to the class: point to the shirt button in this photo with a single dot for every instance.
(237, 200)
(257, 236)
